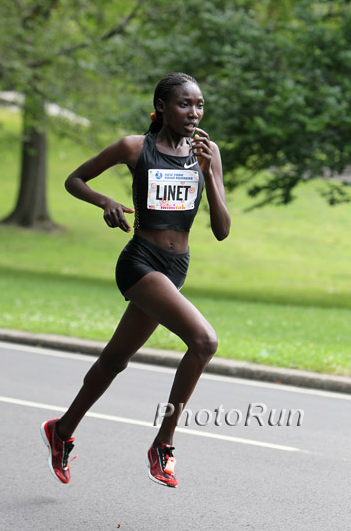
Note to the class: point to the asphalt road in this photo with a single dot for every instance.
(231, 477)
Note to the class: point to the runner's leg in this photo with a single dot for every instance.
(157, 297)
(133, 330)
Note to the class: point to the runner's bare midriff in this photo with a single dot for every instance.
(169, 240)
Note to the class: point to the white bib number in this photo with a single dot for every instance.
(172, 189)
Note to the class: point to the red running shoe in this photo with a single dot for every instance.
(58, 451)
(161, 463)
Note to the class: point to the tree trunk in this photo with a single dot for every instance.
(31, 207)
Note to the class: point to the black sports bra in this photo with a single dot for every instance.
(166, 189)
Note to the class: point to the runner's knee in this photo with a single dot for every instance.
(111, 366)
(204, 344)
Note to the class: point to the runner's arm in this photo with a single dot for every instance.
(125, 151)
(219, 214)
(209, 159)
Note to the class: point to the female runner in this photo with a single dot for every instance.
(169, 169)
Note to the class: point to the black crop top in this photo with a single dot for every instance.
(166, 189)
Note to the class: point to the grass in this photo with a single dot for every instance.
(277, 291)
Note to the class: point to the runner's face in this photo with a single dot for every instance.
(184, 110)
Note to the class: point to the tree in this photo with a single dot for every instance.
(276, 77)
(275, 73)
(48, 50)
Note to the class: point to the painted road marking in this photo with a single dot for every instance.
(168, 370)
(136, 422)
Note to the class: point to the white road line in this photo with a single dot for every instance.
(47, 352)
(168, 370)
(135, 422)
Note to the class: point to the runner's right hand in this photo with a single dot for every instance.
(114, 215)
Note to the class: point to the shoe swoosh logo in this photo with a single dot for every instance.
(186, 166)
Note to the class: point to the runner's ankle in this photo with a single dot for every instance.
(61, 434)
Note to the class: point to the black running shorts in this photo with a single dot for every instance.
(140, 257)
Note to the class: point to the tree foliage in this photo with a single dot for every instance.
(275, 74)
(277, 84)
(53, 51)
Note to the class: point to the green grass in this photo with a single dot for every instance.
(278, 290)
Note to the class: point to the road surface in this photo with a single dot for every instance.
(231, 477)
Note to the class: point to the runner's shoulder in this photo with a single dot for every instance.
(129, 148)
(214, 146)
(132, 141)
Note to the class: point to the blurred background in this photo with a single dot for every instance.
(276, 77)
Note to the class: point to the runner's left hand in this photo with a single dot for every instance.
(202, 149)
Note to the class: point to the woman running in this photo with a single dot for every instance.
(169, 168)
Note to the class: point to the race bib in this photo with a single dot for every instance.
(172, 189)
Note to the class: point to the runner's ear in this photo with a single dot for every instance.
(160, 105)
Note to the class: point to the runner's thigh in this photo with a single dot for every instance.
(157, 296)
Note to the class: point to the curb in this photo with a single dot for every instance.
(171, 358)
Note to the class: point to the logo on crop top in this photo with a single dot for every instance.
(187, 166)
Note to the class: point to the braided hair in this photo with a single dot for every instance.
(163, 91)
